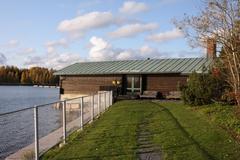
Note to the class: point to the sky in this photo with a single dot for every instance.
(57, 33)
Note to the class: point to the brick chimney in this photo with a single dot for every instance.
(211, 48)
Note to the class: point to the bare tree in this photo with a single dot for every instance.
(220, 20)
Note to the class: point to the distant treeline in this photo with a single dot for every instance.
(34, 75)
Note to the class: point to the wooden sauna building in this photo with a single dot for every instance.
(130, 77)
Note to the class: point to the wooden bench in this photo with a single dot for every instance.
(149, 94)
(174, 95)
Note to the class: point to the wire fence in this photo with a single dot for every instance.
(28, 133)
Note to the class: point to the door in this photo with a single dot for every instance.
(134, 83)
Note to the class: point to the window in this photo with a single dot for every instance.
(133, 84)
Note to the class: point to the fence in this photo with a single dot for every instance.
(28, 133)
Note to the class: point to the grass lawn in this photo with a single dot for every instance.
(175, 130)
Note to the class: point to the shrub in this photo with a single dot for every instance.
(202, 88)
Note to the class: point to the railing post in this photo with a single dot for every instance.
(81, 118)
(92, 109)
(36, 133)
(64, 121)
(98, 104)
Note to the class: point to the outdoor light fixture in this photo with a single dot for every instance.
(116, 82)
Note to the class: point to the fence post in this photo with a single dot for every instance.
(81, 118)
(36, 132)
(64, 122)
(92, 109)
(111, 97)
(98, 104)
(105, 100)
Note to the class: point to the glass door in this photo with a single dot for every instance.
(133, 84)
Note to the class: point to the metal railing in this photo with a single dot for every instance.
(28, 133)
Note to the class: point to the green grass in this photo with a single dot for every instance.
(177, 130)
(191, 132)
(223, 115)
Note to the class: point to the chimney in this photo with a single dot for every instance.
(211, 48)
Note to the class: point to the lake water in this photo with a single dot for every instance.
(18, 97)
(16, 130)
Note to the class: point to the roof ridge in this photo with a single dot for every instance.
(138, 60)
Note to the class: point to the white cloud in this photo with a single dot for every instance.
(76, 27)
(132, 7)
(53, 58)
(147, 51)
(166, 36)
(56, 61)
(143, 52)
(3, 59)
(52, 45)
(133, 29)
(11, 44)
(125, 55)
(61, 42)
(61, 60)
(28, 51)
(101, 50)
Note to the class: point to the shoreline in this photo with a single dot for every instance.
(34, 85)
(14, 84)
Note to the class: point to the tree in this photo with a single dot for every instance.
(203, 88)
(220, 20)
(35, 75)
(23, 78)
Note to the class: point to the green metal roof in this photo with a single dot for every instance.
(150, 66)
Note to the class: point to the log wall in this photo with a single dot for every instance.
(165, 83)
(86, 84)
(90, 84)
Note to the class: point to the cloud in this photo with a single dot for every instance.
(3, 59)
(61, 42)
(132, 7)
(166, 36)
(131, 30)
(143, 52)
(62, 60)
(76, 27)
(28, 51)
(11, 44)
(52, 45)
(101, 50)
(53, 58)
(56, 61)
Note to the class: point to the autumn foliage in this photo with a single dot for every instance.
(34, 75)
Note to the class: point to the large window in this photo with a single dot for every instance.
(133, 84)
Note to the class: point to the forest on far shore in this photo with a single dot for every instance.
(31, 76)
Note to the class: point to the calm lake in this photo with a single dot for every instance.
(18, 97)
(16, 130)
